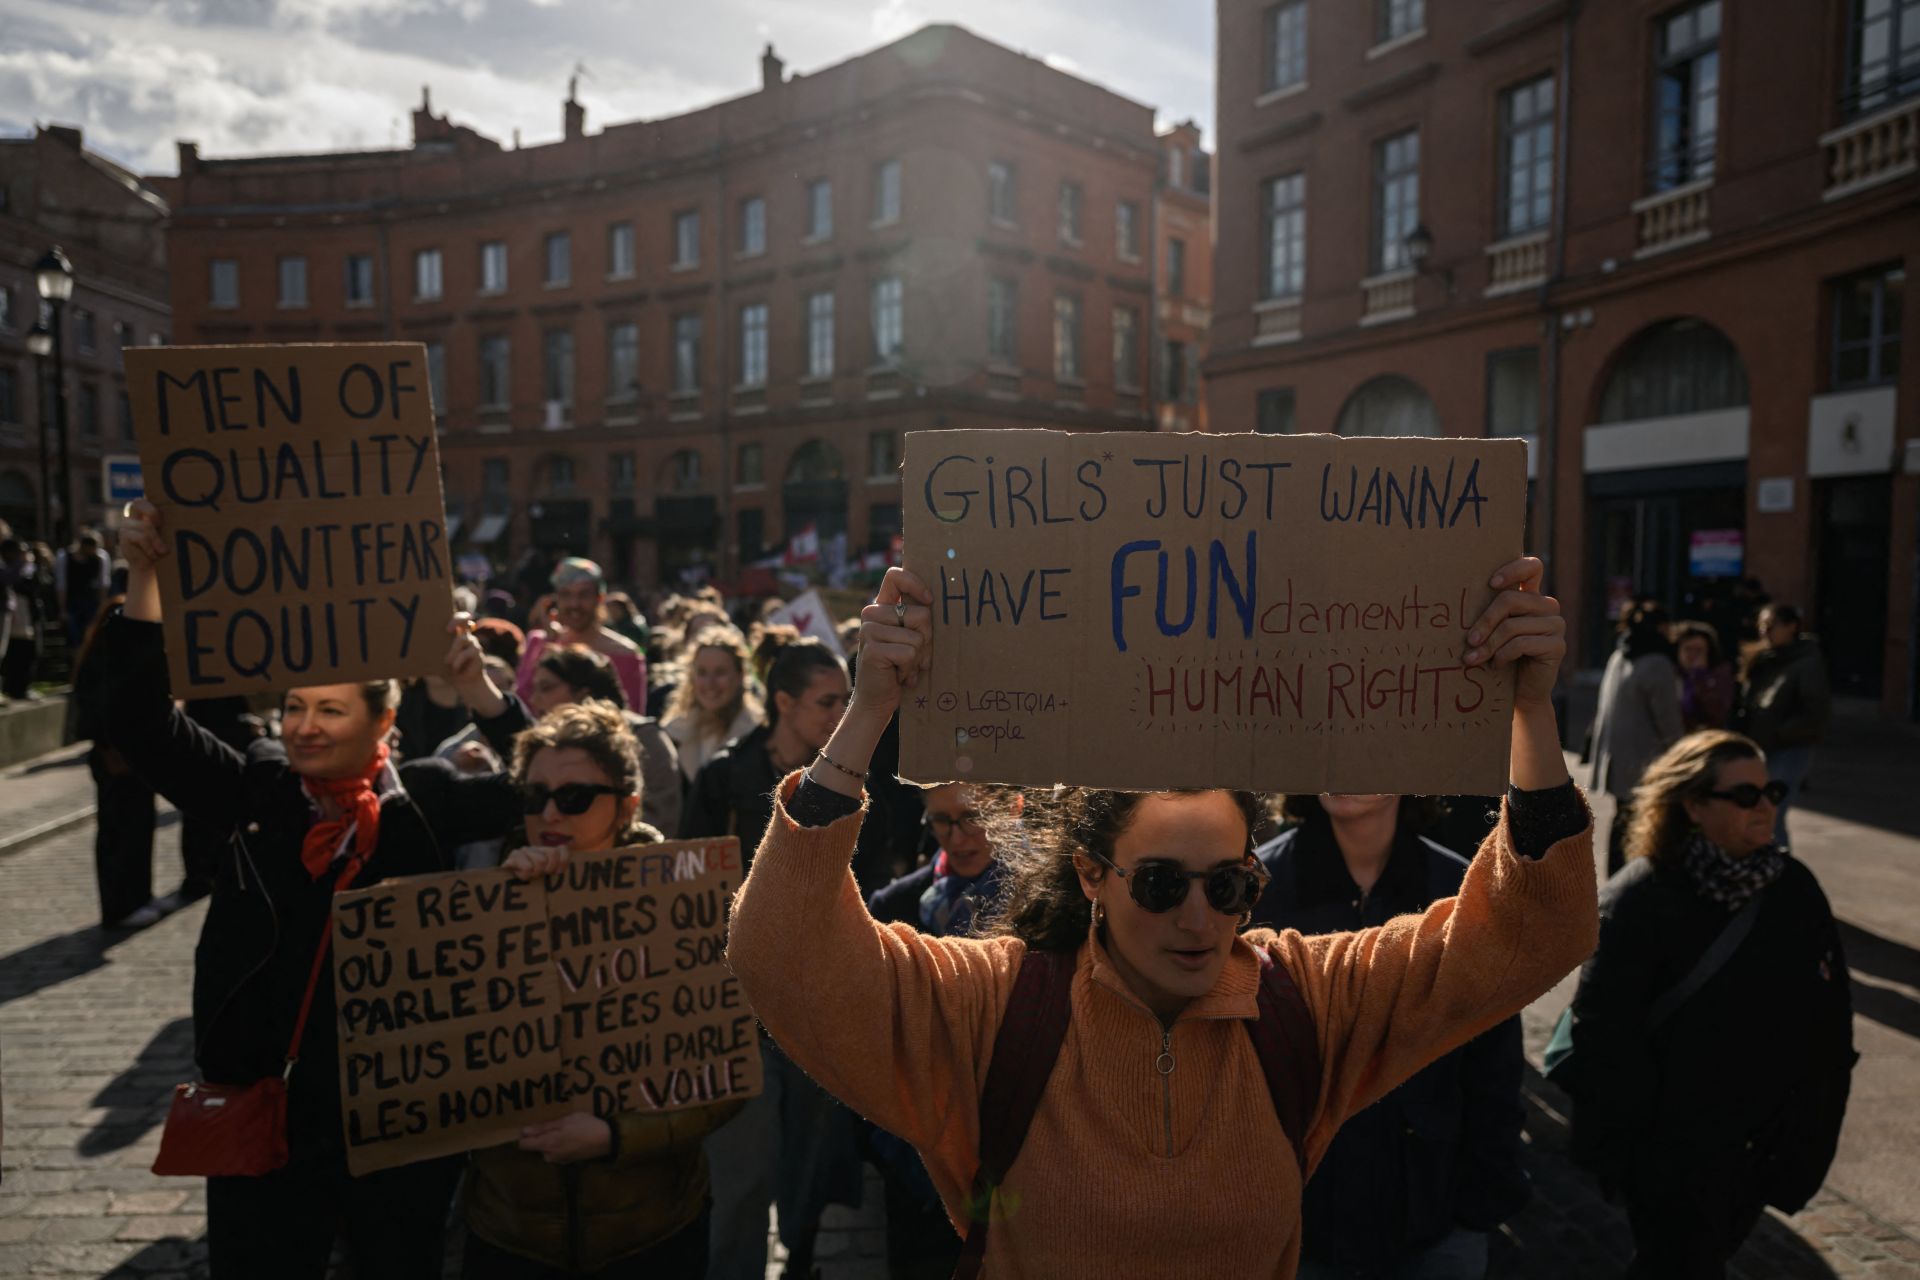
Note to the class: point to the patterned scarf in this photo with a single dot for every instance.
(949, 905)
(357, 799)
(1728, 880)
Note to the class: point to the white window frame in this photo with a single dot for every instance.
(819, 210)
(889, 320)
(1284, 209)
(887, 196)
(753, 226)
(288, 299)
(820, 334)
(227, 271)
(493, 267)
(686, 240)
(1068, 320)
(753, 345)
(622, 257)
(429, 275)
(558, 245)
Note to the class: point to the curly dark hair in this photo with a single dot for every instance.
(1043, 904)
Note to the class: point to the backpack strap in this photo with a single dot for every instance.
(1024, 1051)
(1289, 1049)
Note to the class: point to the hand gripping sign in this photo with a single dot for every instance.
(1140, 611)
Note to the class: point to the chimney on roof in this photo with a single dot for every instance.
(576, 115)
(189, 153)
(66, 133)
(772, 70)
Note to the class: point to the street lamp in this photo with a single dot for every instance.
(53, 277)
(1419, 250)
(40, 345)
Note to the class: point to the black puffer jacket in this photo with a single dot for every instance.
(1440, 1152)
(267, 915)
(1744, 1087)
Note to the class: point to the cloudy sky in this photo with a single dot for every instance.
(244, 77)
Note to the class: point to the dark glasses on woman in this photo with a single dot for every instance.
(1746, 795)
(570, 798)
(1160, 886)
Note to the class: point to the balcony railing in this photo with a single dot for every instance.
(1519, 262)
(1673, 218)
(1276, 320)
(1873, 150)
(1386, 297)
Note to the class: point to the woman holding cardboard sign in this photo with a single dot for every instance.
(586, 1195)
(316, 811)
(1205, 1072)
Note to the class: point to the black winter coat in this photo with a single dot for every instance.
(267, 915)
(733, 794)
(1440, 1152)
(1744, 1086)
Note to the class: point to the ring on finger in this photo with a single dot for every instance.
(900, 612)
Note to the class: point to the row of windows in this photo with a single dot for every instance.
(85, 407)
(1285, 41)
(429, 276)
(1525, 204)
(887, 322)
(681, 472)
(1677, 367)
(83, 324)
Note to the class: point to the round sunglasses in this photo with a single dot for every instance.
(1160, 885)
(1748, 796)
(570, 798)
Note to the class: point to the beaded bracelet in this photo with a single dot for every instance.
(857, 777)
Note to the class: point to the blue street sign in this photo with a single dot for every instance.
(122, 482)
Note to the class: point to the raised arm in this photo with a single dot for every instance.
(898, 1025)
(1389, 1000)
(191, 767)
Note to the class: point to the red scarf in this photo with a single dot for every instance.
(358, 805)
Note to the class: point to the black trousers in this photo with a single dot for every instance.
(681, 1256)
(283, 1224)
(16, 666)
(122, 840)
(1687, 1237)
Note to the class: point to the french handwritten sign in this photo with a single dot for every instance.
(473, 1004)
(1282, 613)
(300, 487)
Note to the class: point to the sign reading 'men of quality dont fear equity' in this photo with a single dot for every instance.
(300, 492)
(1283, 613)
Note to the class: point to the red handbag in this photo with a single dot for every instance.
(240, 1130)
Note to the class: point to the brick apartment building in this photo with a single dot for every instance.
(53, 191)
(677, 342)
(1665, 241)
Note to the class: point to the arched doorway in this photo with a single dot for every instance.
(1388, 405)
(1666, 479)
(815, 490)
(17, 505)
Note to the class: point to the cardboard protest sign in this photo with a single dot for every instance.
(1264, 612)
(300, 488)
(473, 1004)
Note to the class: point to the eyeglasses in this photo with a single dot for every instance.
(943, 825)
(1160, 885)
(571, 799)
(1747, 796)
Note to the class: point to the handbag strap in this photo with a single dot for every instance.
(1731, 935)
(352, 869)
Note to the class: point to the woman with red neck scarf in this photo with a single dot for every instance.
(323, 808)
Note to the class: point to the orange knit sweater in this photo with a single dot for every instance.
(1125, 1172)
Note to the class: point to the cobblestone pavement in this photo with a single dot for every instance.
(94, 1034)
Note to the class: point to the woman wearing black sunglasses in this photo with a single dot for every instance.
(1712, 1030)
(612, 1197)
(1156, 1147)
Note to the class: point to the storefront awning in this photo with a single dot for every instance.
(489, 528)
(453, 527)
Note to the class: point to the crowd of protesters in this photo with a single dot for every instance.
(909, 952)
